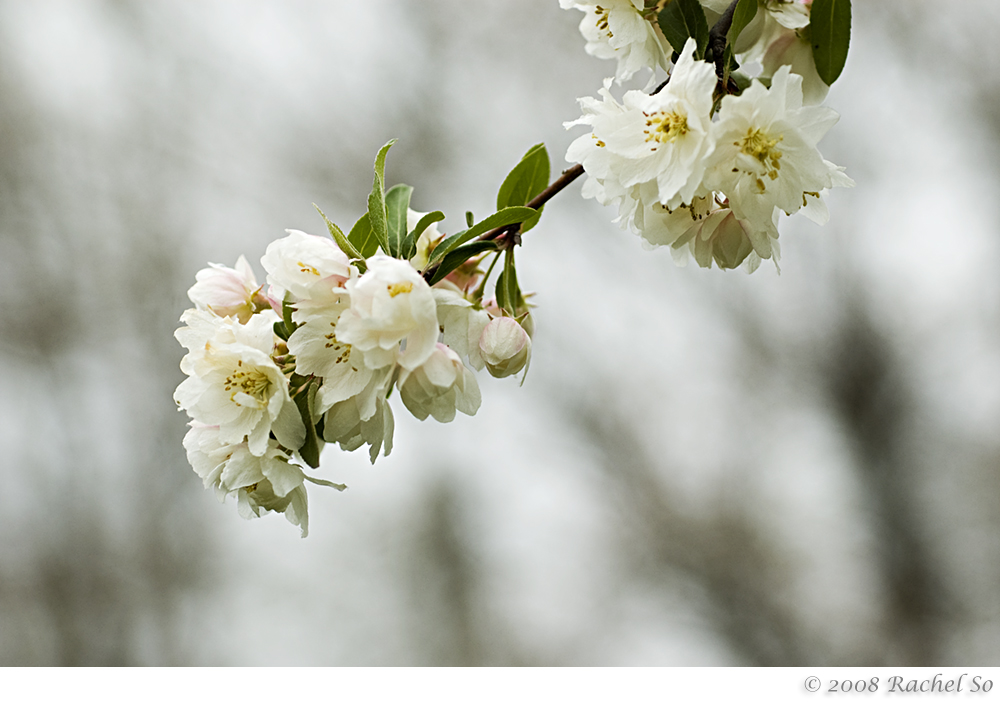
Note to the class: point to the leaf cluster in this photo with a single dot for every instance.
(384, 226)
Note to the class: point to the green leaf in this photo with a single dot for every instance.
(280, 331)
(508, 215)
(500, 293)
(376, 200)
(830, 30)
(426, 221)
(507, 292)
(286, 316)
(305, 401)
(528, 178)
(742, 16)
(410, 245)
(469, 218)
(363, 237)
(397, 202)
(342, 241)
(457, 257)
(682, 19)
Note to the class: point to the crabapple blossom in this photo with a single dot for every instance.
(307, 266)
(319, 352)
(462, 324)
(267, 481)
(766, 158)
(616, 29)
(228, 292)
(233, 383)
(344, 424)
(662, 137)
(440, 386)
(389, 303)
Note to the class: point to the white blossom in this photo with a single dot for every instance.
(233, 383)
(616, 29)
(228, 292)
(365, 418)
(462, 324)
(309, 267)
(765, 158)
(389, 303)
(319, 352)
(601, 165)
(662, 137)
(266, 482)
(440, 386)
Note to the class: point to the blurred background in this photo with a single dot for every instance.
(702, 468)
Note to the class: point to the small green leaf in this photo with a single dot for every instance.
(500, 292)
(469, 218)
(508, 215)
(742, 16)
(528, 178)
(280, 331)
(286, 316)
(507, 285)
(342, 241)
(457, 257)
(305, 401)
(682, 19)
(410, 245)
(426, 221)
(397, 202)
(525, 181)
(830, 30)
(376, 200)
(363, 237)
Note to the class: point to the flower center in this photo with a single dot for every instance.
(759, 145)
(399, 288)
(665, 127)
(248, 381)
(306, 268)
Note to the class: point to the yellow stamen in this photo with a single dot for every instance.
(665, 127)
(759, 145)
(400, 288)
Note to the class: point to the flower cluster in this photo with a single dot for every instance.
(702, 165)
(275, 373)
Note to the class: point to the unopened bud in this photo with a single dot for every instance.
(506, 347)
